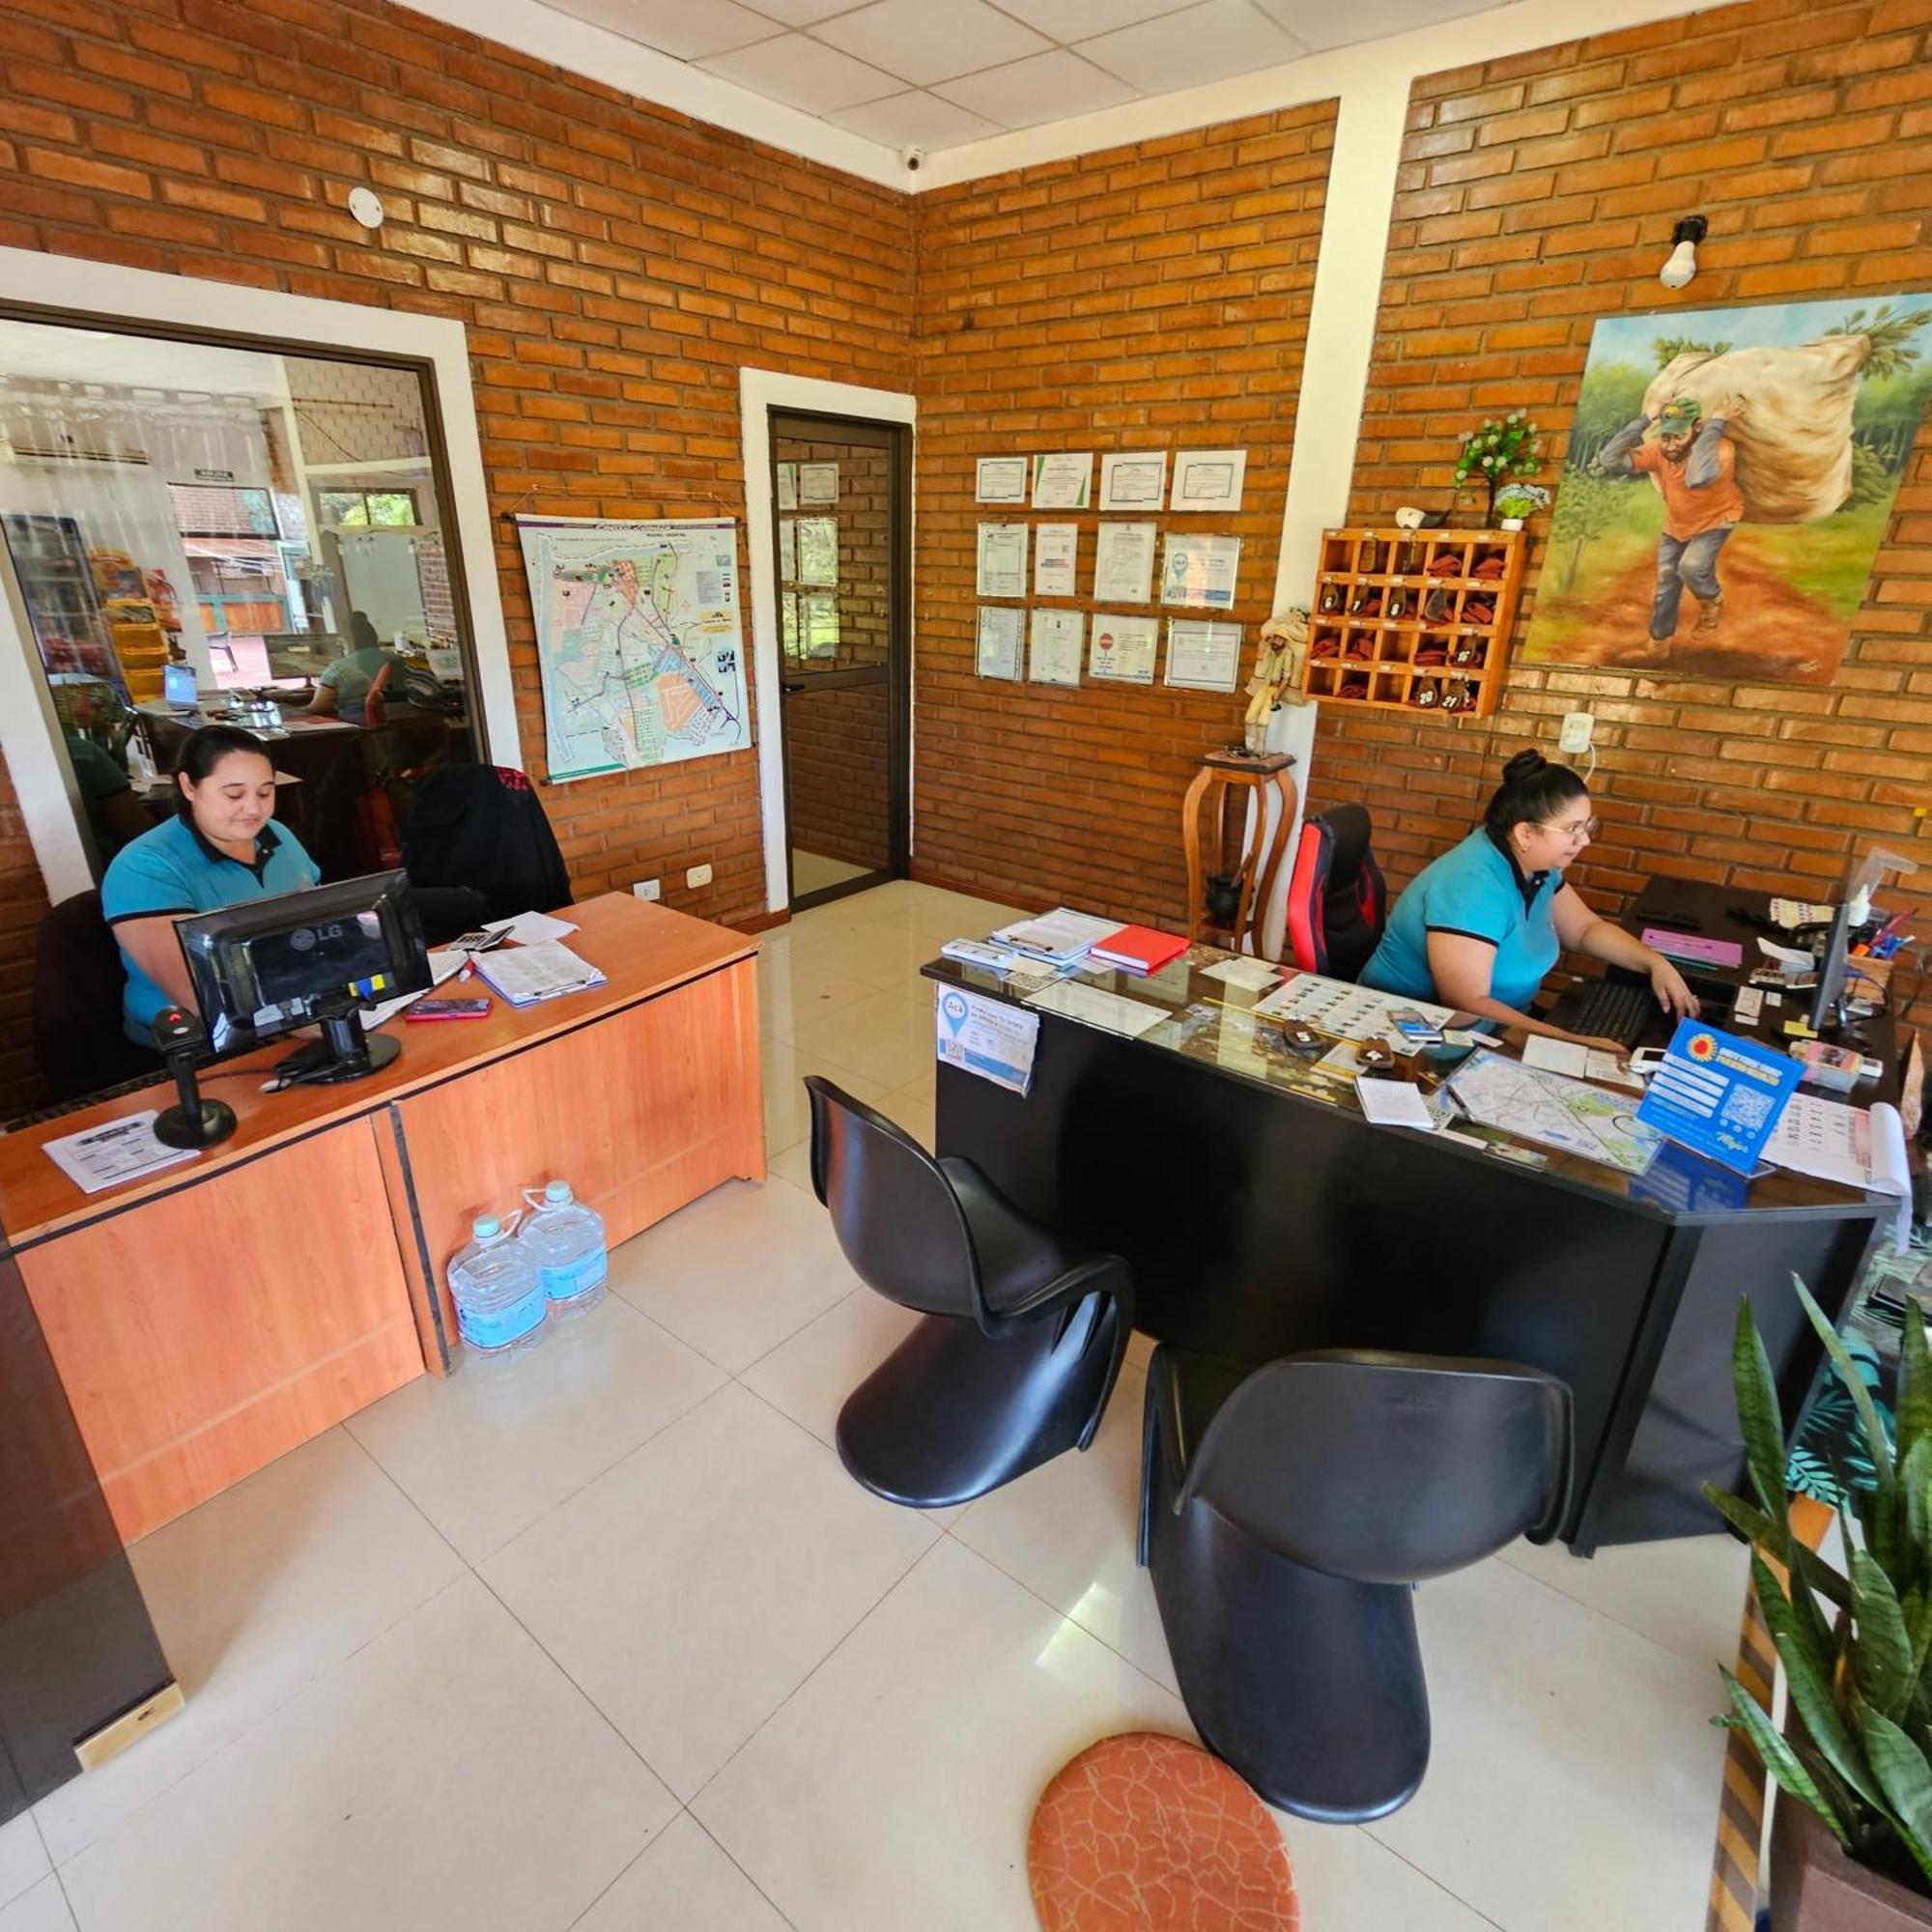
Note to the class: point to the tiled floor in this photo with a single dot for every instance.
(609, 1640)
(813, 871)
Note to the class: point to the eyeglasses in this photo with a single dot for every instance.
(1581, 828)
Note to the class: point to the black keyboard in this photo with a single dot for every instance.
(1619, 1009)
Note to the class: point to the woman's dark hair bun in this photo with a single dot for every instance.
(1525, 765)
(1532, 792)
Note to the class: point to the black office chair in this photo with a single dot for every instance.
(1286, 1511)
(1337, 898)
(1021, 1342)
(80, 982)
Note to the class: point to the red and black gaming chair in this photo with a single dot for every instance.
(1336, 903)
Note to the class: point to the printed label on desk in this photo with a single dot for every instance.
(986, 1036)
(1717, 1094)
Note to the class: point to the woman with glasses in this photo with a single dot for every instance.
(1479, 927)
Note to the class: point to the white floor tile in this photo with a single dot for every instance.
(447, 1775)
(911, 1107)
(887, 1038)
(787, 1107)
(683, 1883)
(896, 1789)
(809, 1376)
(792, 993)
(488, 1451)
(42, 1909)
(1346, 1881)
(1067, 1530)
(23, 1859)
(883, 958)
(254, 1595)
(691, 1588)
(735, 1274)
(1687, 1595)
(1575, 1773)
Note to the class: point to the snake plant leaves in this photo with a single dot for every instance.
(1882, 1655)
(1877, 1443)
(1763, 1531)
(1762, 1422)
(1779, 1759)
(1901, 1769)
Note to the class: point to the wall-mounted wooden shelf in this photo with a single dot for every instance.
(1402, 619)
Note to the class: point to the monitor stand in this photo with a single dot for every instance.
(344, 1052)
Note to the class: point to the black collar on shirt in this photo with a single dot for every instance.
(1528, 884)
(266, 840)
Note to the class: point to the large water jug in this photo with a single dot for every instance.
(564, 1240)
(501, 1304)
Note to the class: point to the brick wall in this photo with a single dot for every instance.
(1538, 194)
(1151, 297)
(614, 261)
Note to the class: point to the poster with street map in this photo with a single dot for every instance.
(638, 643)
(1555, 1111)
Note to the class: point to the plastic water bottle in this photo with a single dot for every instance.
(564, 1240)
(501, 1304)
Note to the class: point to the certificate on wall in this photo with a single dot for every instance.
(787, 486)
(1203, 656)
(999, 479)
(1054, 546)
(1208, 479)
(817, 545)
(1062, 482)
(1134, 479)
(1123, 649)
(997, 650)
(1201, 570)
(1002, 561)
(1054, 653)
(819, 482)
(1124, 564)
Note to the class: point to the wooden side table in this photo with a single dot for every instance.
(1205, 839)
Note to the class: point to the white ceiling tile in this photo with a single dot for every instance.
(1049, 86)
(801, 13)
(915, 120)
(1203, 44)
(676, 27)
(1075, 19)
(1319, 25)
(924, 40)
(804, 74)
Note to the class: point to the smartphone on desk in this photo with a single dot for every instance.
(448, 1009)
(1414, 1027)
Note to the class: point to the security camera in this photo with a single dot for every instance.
(913, 159)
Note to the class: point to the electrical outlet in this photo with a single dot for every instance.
(1577, 726)
(699, 876)
(648, 889)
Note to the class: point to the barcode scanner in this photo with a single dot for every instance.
(192, 1121)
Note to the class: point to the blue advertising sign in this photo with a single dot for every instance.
(1717, 1094)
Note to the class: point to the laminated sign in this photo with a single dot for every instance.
(1717, 1094)
(986, 1036)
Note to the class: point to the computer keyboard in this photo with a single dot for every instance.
(1619, 1009)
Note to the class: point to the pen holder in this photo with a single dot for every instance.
(1876, 974)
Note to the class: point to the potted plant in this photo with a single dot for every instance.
(1517, 503)
(1852, 1831)
(1504, 447)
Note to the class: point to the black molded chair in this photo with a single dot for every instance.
(1021, 1342)
(1286, 1511)
(1337, 899)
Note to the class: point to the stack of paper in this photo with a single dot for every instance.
(527, 973)
(1834, 1142)
(1062, 935)
(110, 1155)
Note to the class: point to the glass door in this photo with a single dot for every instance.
(841, 491)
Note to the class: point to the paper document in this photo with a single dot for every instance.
(1394, 1103)
(1793, 913)
(819, 482)
(1250, 975)
(528, 929)
(1342, 1010)
(1830, 1141)
(1134, 479)
(818, 541)
(1580, 1063)
(986, 1036)
(1002, 559)
(121, 1150)
(1113, 1012)
(1056, 546)
(1062, 481)
(444, 963)
(542, 972)
(788, 550)
(1053, 655)
(1060, 934)
(1123, 649)
(1124, 564)
(787, 486)
(999, 479)
(1203, 656)
(1208, 479)
(1201, 570)
(1554, 1111)
(1790, 961)
(998, 651)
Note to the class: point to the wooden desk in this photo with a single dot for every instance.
(211, 1316)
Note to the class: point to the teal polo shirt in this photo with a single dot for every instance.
(1478, 890)
(174, 869)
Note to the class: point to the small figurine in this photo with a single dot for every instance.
(1278, 668)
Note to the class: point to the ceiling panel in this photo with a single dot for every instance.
(1075, 19)
(1319, 25)
(924, 40)
(1049, 86)
(915, 120)
(804, 74)
(676, 27)
(801, 13)
(1205, 42)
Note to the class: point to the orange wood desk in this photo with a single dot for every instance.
(211, 1316)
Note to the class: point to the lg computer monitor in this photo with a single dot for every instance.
(302, 653)
(1828, 998)
(264, 967)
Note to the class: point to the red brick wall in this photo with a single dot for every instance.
(1154, 297)
(1538, 194)
(613, 263)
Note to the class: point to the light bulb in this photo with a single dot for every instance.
(1682, 267)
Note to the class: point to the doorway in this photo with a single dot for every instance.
(842, 495)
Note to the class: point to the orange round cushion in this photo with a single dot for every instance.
(1150, 1834)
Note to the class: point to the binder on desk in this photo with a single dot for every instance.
(525, 973)
(1139, 948)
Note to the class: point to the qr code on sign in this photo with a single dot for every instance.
(1747, 1110)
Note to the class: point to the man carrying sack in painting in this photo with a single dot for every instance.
(1693, 466)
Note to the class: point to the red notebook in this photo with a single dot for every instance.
(1139, 948)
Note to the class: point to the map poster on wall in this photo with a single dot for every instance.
(638, 643)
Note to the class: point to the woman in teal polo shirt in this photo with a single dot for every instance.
(222, 845)
(1479, 927)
